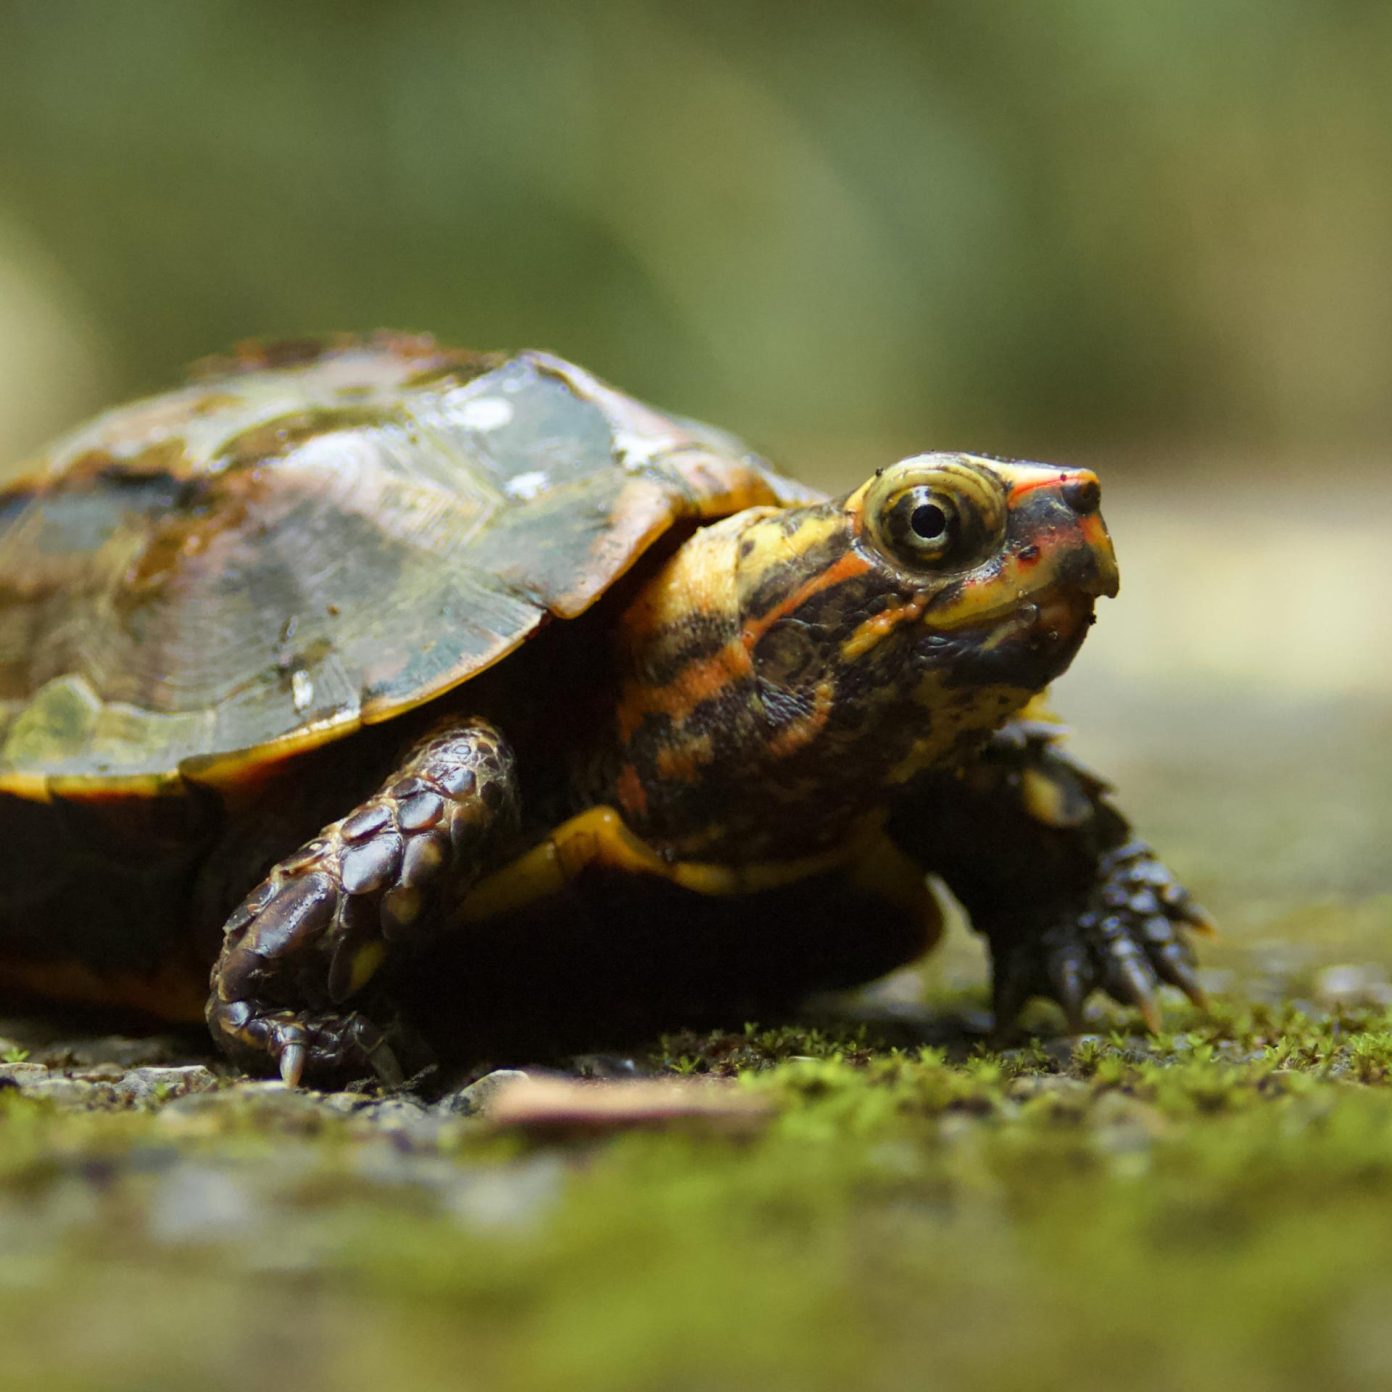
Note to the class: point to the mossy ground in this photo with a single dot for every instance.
(1204, 1209)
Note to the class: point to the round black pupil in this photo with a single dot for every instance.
(929, 521)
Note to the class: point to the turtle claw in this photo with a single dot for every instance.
(1070, 980)
(292, 1063)
(385, 1064)
(325, 1047)
(1136, 985)
(1175, 963)
(1127, 938)
(1128, 975)
(1199, 919)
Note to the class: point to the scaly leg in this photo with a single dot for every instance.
(317, 929)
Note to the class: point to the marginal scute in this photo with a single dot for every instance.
(313, 536)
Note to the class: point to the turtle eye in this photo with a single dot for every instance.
(934, 511)
(922, 525)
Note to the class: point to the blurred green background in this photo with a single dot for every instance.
(1049, 229)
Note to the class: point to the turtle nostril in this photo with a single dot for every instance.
(1083, 495)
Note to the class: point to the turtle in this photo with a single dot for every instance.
(334, 670)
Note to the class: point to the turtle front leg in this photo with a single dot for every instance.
(374, 885)
(1069, 900)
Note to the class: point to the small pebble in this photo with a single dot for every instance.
(475, 1099)
(1348, 983)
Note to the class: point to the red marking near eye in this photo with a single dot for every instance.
(1063, 476)
(1094, 530)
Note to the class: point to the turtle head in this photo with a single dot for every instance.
(930, 602)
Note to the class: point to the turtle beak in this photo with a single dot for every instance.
(1081, 493)
(1063, 508)
(1056, 551)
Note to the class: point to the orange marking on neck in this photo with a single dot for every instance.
(801, 732)
(847, 568)
(631, 792)
(705, 677)
(698, 681)
(683, 762)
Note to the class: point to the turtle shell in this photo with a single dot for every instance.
(313, 536)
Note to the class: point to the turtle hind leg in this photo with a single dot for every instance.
(368, 889)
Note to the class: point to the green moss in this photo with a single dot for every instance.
(1202, 1209)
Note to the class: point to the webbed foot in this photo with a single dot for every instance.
(1128, 938)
